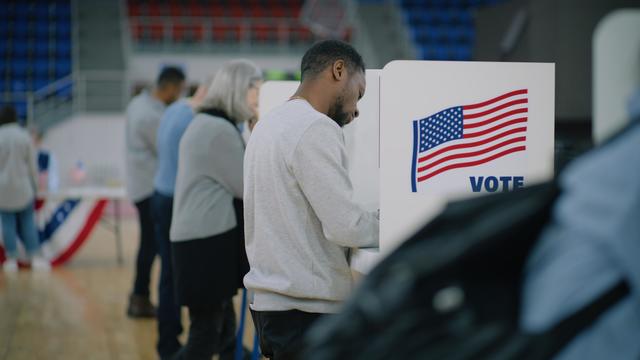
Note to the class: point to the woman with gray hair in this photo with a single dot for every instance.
(207, 227)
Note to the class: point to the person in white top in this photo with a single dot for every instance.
(300, 217)
(18, 184)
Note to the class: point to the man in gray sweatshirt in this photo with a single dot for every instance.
(143, 117)
(300, 217)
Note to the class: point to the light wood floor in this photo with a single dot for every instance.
(78, 311)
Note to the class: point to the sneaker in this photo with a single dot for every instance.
(140, 307)
(38, 263)
(10, 266)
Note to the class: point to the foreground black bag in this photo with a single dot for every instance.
(452, 291)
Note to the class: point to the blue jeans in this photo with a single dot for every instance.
(169, 325)
(22, 222)
(147, 250)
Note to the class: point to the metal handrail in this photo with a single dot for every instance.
(40, 102)
(53, 87)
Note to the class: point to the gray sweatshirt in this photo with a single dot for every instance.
(209, 177)
(300, 217)
(143, 117)
(18, 171)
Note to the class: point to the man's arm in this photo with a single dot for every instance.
(318, 165)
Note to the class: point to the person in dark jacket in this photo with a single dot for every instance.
(207, 227)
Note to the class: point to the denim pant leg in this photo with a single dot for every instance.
(9, 234)
(28, 230)
(147, 250)
(169, 324)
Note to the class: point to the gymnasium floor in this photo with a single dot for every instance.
(78, 311)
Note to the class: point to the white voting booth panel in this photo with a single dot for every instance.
(616, 70)
(361, 140)
(509, 110)
(450, 130)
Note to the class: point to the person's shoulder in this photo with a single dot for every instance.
(213, 123)
(323, 126)
(21, 133)
(136, 101)
(179, 109)
(181, 105)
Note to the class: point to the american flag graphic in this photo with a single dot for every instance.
(469, 135)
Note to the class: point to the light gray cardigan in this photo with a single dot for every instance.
(209, 177)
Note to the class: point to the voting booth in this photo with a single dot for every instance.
(429, 132)
(450, 130)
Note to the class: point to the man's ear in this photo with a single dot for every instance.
(339, 70)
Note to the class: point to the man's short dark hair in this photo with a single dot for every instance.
(324, 53)
(8, 115)
(170, 75)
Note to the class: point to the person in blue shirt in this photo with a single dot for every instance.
(592, 242)
(173, 124)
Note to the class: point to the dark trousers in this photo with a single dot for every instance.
(212, 331)
(281, 333)
(169, 325)
(146, 250)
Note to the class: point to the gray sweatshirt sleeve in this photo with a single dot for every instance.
(318, 163)
(227, 154)
(147, 129)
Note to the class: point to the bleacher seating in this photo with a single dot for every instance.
(35, 47)
(442, 29)
(226, 21)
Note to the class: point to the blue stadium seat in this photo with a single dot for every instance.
(4, 11)
(4, 28)
(63, 29)
(21, 28)
(63, 68)
(465, 17)
(19, 68)
(41, 48)
(41, 11)
(21, 10)
(42, 29)
(441, 52)
(41, 67)
(39, 83)
(62, 11)
(63, 48)
(20, 48)
(19, 85)
(462, 52)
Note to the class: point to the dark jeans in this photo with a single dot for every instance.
(169, 325)
(147, 249)
(281, 332)
(212, 331)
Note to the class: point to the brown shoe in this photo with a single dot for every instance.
(140, 307)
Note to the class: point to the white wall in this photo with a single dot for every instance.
(616, 70)
(145, 67)
(96, 140)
